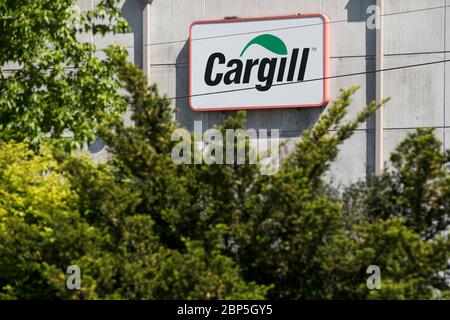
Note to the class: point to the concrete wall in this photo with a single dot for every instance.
(352, 50)
(420, 96)
(133, 42)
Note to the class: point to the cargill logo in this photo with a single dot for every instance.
(284, 68)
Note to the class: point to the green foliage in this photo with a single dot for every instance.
(416, 188)
(39, 224)
(141, 227)
(49, 222)
(62, 89)
(409, 204)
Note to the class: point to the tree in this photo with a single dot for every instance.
(415, 188)
(59, 88)
(40, 228)
(142, 227)
(292, 223)
(409, 204)
(50, 220)
(285, 232)
(70, 211)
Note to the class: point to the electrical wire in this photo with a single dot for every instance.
(309, 80)
(318, 79)
(292, 27)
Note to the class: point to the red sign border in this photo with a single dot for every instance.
(326, 58)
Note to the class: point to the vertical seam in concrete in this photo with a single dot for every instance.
(86, 146)
(444, 129)
(445, 232)
(445, 74)
(92, 33)
(146, 52)
(204, 114)
(379, 91)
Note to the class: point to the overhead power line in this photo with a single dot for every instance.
(332, 57)
(318, 79)
(267, 30)
(310, 80)
(292, 27)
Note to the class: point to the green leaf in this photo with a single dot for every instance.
(269, 42)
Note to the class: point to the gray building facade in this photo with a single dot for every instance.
(415, 32)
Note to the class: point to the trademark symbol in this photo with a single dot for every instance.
(314, 49)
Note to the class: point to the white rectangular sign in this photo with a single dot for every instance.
(259, 63)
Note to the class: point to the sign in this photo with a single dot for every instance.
(259, 63)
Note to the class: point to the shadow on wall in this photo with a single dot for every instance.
(357, 12)
(132, 11)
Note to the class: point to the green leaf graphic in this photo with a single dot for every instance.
(270, 42)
